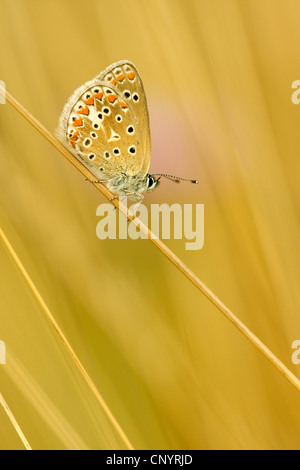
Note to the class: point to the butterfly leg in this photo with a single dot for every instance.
(113, 198)
(96, 181)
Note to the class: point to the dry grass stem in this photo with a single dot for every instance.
(14, 423)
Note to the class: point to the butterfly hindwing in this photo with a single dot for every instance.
(106, 122)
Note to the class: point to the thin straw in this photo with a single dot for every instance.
(14, 423)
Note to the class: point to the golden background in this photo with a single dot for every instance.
(173, 371)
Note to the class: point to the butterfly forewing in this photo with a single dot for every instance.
(126, 79)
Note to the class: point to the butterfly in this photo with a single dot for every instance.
(105, 123)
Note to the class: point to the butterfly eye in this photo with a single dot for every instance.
(118, 118)
(135, 97)
(130, 130)
(132, 150)
(150, 181)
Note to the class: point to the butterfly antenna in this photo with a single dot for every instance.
(175, 179)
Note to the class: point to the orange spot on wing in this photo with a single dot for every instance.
(74, 136)
(120, 77)
(123, 104)
(77, 122)
(131, 75)
(99, 95)
(85, 111)
(111, 98)
(72, 143)
(89, 101)
(113, 81)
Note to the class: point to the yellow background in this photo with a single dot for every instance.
(173, 371)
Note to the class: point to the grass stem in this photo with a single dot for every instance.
(14, 422)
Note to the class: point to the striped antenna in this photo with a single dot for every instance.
(175, 179)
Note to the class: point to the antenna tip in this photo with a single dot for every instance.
(195, 181)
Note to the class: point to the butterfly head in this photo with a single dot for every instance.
(151, 182)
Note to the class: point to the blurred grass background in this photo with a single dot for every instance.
(175, 374)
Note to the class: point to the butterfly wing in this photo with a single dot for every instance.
(125, 77)
(106, 123)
